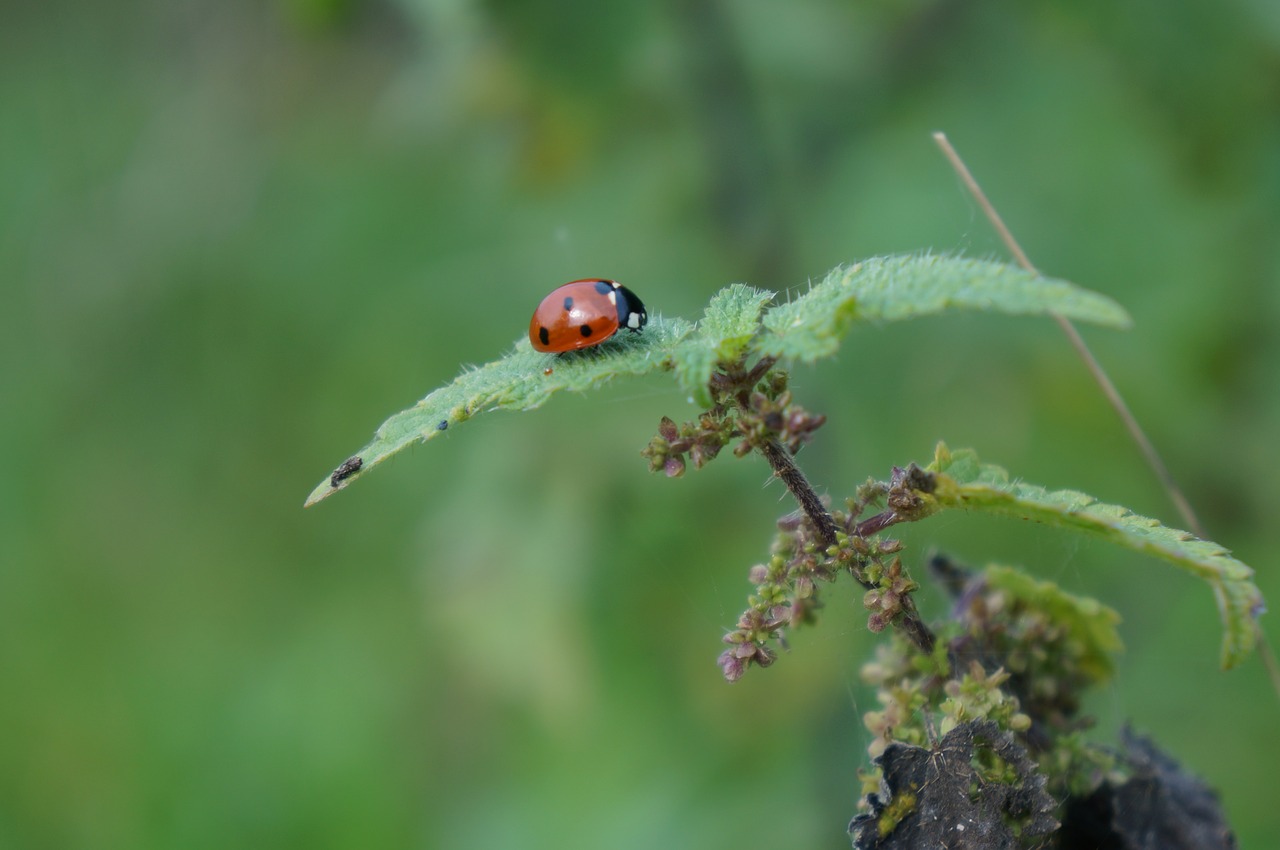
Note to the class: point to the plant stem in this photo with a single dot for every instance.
(914, 627)
(785, 468)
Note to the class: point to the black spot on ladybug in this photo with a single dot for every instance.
(544, 336)
(604, 287)
(349, 467)
(568, 303)
(586, 330)
(444, 423)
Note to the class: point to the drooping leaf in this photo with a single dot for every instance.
(887, 289)
(727, 327)
(962, 481)
(522, 380)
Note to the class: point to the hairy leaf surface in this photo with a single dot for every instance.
(522, 380)
(890, 289)
(727, 328)
(965, 482)
(809, 327)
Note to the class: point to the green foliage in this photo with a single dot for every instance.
(979, 695)
(964, 482)
(1018, 653)
(807, 328)
(888, 289)
(1088, 628)
(1081, 630)
(522, 380)
(727, 328)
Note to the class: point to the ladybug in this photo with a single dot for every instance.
(583, 313)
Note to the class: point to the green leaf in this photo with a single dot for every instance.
(887, 289)
(522, 380)
(807, 328)
(727, 327)
(964, 482)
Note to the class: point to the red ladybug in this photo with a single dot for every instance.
(583, 313)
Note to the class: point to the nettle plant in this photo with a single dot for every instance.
(978, 741)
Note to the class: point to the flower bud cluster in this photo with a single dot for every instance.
(756, 415)
(1018, 653)
(770, 417)
(885, 600)
(786, 587)
(785, 595)
(1047, 639)
(897, 721)
(980, 695)
(701, 441)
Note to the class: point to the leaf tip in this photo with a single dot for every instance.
(322, 490)
(941, 456)
(339, 478)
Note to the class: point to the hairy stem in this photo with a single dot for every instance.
(914, 627)
(785, 468)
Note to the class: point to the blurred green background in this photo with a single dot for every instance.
(235, 236)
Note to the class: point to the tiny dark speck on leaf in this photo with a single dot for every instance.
(444, 423)
(349, 467)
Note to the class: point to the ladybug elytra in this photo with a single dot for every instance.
(583, 313)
